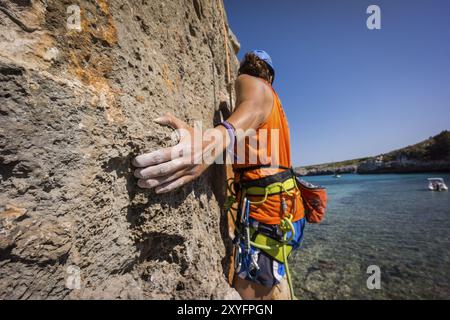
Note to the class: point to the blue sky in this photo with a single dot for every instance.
(349, 91)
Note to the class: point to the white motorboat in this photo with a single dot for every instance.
(437, 184)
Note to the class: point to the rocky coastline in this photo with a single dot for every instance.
(430, 155)
(371, 167)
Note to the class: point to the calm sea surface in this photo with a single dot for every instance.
(391, 221)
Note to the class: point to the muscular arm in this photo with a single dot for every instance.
(253, 104)
(169, 168)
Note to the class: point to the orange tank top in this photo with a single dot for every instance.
(272, 147)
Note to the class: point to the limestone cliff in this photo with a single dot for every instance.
(76, 104)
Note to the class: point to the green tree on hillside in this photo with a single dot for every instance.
(440, 148)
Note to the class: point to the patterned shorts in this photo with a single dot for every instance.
(269, 272)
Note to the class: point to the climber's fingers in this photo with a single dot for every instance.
(163, 169)
(170, 120)
(191, 174)
(170, 186)
(158, 156)
(154, 182)
(169, 168)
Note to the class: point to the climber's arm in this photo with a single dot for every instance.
(253, 103)
(169, 168)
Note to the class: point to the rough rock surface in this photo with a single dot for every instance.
(75, 107)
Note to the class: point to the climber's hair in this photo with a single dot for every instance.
(254, 66)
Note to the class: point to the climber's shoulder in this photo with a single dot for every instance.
(249, 87)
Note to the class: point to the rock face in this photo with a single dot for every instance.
(76, 104)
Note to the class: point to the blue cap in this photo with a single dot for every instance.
(264, 56)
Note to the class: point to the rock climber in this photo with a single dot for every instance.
(264, 190)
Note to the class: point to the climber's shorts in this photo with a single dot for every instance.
(269, 272)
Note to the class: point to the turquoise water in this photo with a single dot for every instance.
(391, 221)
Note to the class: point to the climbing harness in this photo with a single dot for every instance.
(284, 183)
(246, 236)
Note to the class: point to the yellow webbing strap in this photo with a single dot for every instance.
(279, 250)
(286, 225)
(273, 188)
(270, 246)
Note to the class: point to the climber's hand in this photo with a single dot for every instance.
(169, 168)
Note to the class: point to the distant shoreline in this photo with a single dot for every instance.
(373, 173)
(430, 155)
(375, 166)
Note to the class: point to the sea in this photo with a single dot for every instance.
(385, 236)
